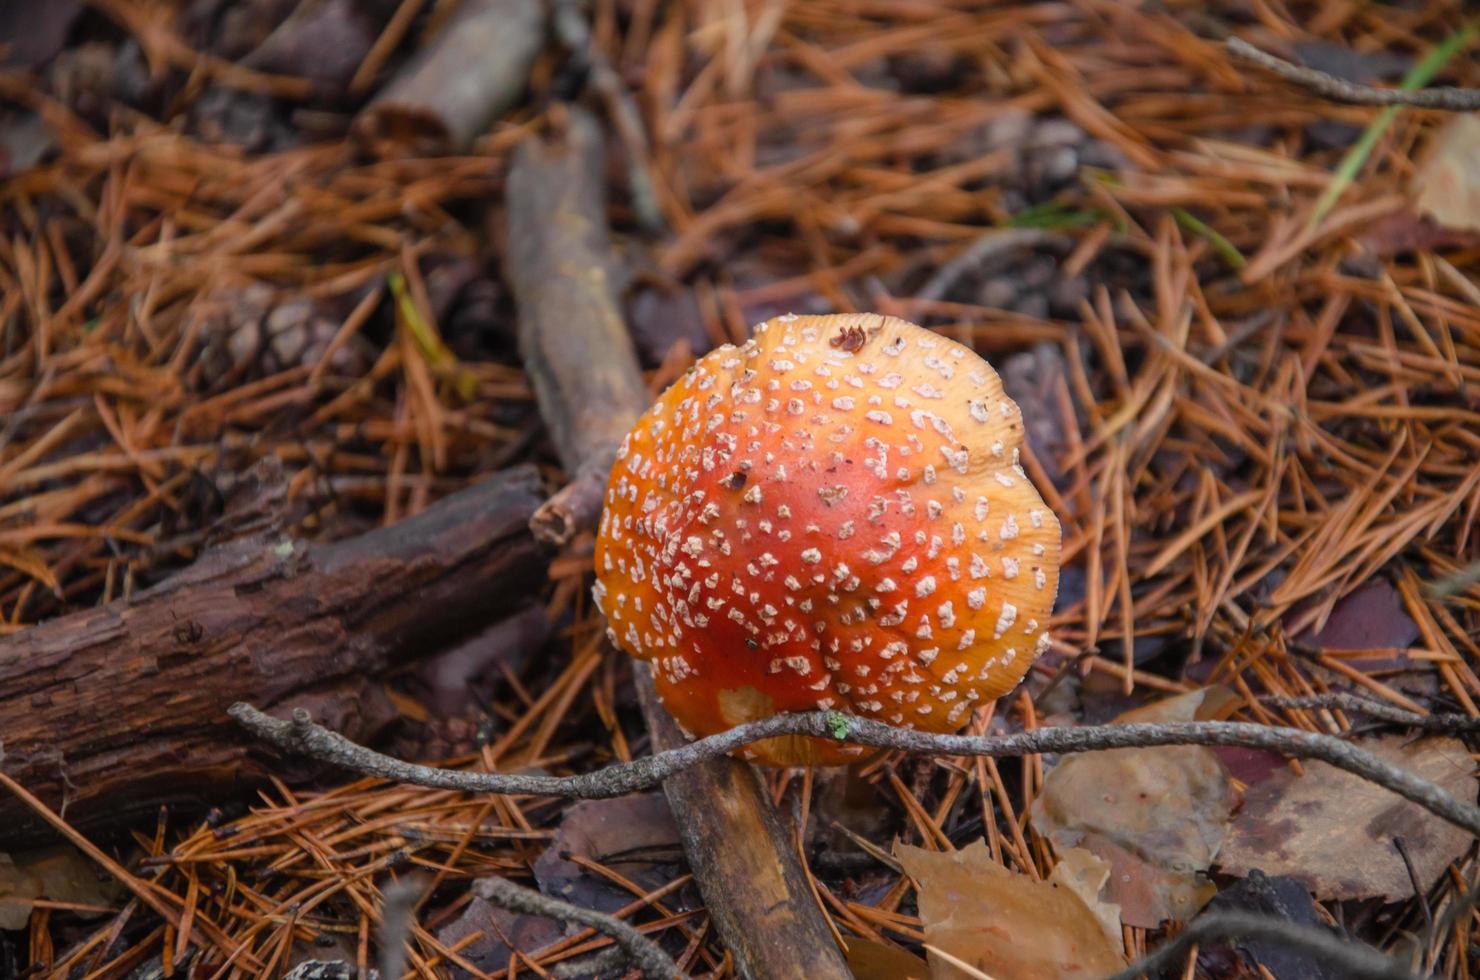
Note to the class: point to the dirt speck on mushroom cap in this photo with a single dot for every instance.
(831, 516)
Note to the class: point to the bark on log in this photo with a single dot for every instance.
(108, 713)
(580, 358)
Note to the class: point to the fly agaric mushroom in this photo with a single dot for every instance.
(832, 516)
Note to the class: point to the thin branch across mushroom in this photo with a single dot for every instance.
(830, 516)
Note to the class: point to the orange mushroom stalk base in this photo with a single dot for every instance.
(832, 516)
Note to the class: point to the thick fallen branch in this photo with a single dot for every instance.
(1340, 90)
(579, 356)
(109, 713)
(754, 886)
(575, 347)
(1347, 958)
(461, 80)
(301, 735)
(646, 955)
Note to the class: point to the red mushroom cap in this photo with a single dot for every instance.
(831, 516)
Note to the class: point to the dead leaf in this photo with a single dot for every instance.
(1308, 827)
(497, 930)
(31, 34)
(1003, 923)
(868, 960)
(1447, 185)
(1372, 617)
(1085, 875)
(60, 874)
(1157, 816)
(633, 835)
(1281, 898)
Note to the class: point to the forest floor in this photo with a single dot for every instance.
(1242, 321)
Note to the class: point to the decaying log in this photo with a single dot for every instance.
(464, 78)
(580, 358)
(574, 344)
(107, 714)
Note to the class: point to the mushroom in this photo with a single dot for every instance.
(832, 516)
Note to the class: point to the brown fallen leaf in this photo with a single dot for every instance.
(493, 932)
(1156, 816)
(60, 874)
(1308, 827)
(32, 34)
(633, 835)
(1004, 924)
(868, 960)
(1371, 617)
(1446, 185)
(1085, 875)
(1281, 898)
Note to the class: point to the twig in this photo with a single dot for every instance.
(1418, 891)
(1340, 90)
(593, 965)
(985, 248)
(1447, 723)
(301, 735)
(572, 30)
(1350, 958)
(645, 954)
(1416, 78)
(573, 508)
(395, 923)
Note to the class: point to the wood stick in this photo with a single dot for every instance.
(461, 80)
(752, 882)
(579, 356)
(576, 349)
(108, 713)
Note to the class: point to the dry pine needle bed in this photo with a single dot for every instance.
(249, 300)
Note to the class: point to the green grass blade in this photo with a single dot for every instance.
(1418, 76)
(1225, 249)
(1053, 215)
